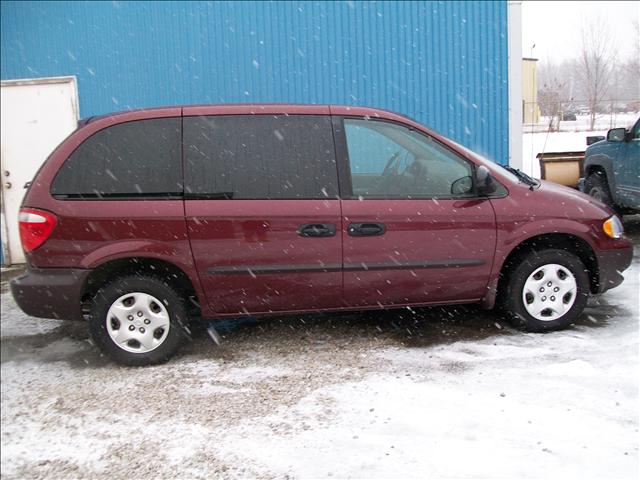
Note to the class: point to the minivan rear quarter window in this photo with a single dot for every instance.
(259, 157)
(134, 159)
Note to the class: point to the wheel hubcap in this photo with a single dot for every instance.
(549, 292)
(138, 322)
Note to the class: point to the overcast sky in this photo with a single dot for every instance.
(554, 27)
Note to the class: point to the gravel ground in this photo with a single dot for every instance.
(437, 392)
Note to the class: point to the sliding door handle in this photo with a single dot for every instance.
(366, 229)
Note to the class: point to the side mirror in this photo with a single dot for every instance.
(617, 135)
(485, 183)
(594, 139)
(462, 186)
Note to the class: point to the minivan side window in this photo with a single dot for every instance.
(141, 158)
(388, 160)
(259, 157)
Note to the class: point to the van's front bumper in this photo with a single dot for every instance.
(611, 264)
(50, 292)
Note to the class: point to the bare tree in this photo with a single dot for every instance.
(634, 63)
(553, 93)
(595, 63)
(631, 71)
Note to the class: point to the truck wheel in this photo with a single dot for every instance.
(546, 291)
(596, 186)
(138, 320)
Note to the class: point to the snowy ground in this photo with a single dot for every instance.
(443, 393)
(573, 138)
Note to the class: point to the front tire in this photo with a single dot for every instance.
(138, 320)
(596, 186)
(547, 290)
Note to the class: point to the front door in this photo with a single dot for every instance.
(36, 116)
(262, 210)
(413, 230)
(627, 167)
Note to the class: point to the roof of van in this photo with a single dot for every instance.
(245, 107)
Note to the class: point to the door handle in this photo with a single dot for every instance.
(366, 229)
(317, 230)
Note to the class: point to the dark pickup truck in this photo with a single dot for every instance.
(611, 168)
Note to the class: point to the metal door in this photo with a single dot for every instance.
(37, 114)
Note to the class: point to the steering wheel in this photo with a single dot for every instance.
(390, 163)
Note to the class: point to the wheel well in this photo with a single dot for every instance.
(591, 169)
(141, 266)
(562, 241)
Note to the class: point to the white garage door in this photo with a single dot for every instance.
(37, 114)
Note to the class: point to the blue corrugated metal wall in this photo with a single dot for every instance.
(442, 63)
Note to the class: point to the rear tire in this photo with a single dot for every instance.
(546, 290)
(138, 320)
(596, 186)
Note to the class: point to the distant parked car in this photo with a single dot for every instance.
(611, 168)
(632, 107)
(142, 221)
(569, 116)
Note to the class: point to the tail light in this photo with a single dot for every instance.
(35, 227)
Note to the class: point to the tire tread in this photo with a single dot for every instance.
(156, 286)
(512, 304)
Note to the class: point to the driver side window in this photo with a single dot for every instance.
(389, 160)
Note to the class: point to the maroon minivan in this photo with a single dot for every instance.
(144, 220)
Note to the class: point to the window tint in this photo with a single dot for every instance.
(636, 131)
(389, 160)
(260, 156)
(139, 158)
